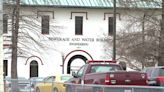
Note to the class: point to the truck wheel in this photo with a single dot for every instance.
(97, 89)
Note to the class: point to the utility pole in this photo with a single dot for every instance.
(114, 29)
(161, 40)
(143, 41)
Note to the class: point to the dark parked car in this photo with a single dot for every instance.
(155, 75)
(34, 80)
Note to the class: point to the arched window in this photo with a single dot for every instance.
(34, 69)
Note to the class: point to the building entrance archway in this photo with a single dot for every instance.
(75, 58)
(79, 60)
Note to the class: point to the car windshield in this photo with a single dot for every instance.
(65, 78)
(104, 68)
(49, 78)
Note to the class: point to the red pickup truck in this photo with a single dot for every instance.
(107, 73)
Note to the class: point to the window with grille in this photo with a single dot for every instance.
(45, 24)
(110, 26)
(78, 25)
(5, 67)
(34, 69)
(5, 23)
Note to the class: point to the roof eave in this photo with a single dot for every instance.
(91, 7)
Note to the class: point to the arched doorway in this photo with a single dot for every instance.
(79, 60)
(33, 68)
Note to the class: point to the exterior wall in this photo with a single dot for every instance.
(1, 49)
(90, 45)
(63, 44)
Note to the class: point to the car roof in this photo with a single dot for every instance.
(103, 64)
(154, 67)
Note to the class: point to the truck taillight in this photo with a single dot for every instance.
(160, 78)
(143, 76)
(107, 79)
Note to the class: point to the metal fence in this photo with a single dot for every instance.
(50, 86)
(18, 85)
(113, 88)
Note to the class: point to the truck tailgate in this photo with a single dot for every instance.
(127, 78)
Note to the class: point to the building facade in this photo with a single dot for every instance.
(1, 48)
(58, 36)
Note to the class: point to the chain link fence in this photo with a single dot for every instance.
(22, 85)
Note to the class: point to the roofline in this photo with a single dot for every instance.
(89, 7)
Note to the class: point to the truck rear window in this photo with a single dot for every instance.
(104, 68)
(162, 72)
